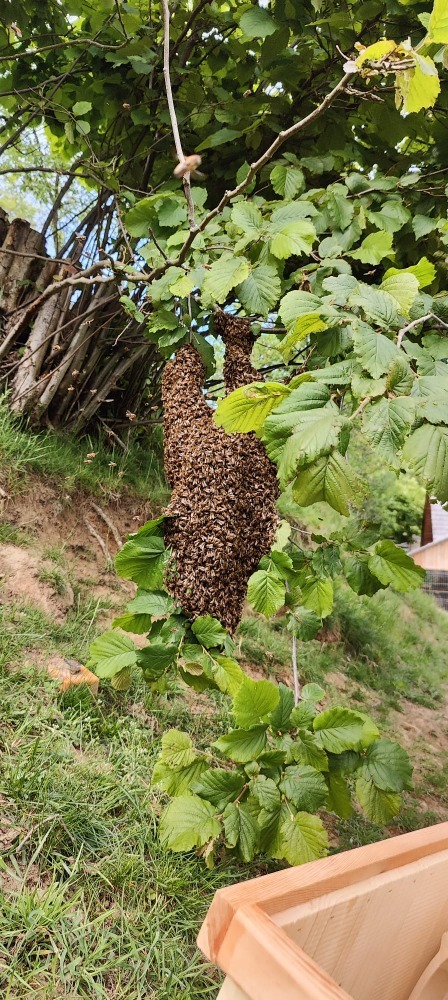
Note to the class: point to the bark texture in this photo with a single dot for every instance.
(76, 357)
(222, 515)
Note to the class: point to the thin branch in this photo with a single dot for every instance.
(361, 407)
(62, 45)
(410, 326)
(254, 169)
(295, 671)
(194, 14)
(172, 111)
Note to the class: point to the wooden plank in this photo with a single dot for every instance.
(230, 991)
(263, 961)
(282, 890)
(376, 938)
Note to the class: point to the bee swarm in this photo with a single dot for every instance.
(222, 515)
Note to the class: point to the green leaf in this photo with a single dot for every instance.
(338, 729)
(424, 271)
(177, 782)
(378, 805)
(303, 327)
(138, 624)
(225, 673)
(246, 408)
(423, 225)
(297, 304)
(315, 434)
(155, 658)
(387, 423)
(418, 87)
(379, 307)
(266, 592)
(359, 577)
(254, 701)
(392, 565)
(110, 653)
(155, 603)
(242, 745)
(260, 291)
(302, 716)
(403, 287)
(142, 560)
(287, 181)
(81, 108)
(388, 766)
(280, 717)
(400, 378)
(331, 479)
(392, 217)
(426, 451)
(265, 791)
(373, 248)
(305, 787)
(82, 127)
(177, 749)
(219, 138)
(248, 218)
(339, 798)
(257, 23)
(295, 239)
(188, 822)
(375, 352)
(209, 631)
(317, 596)
(303, 623)
(312, 692)
(224, 274)
(303, 839)
(122, 680)
(438, 22)
(241, 830)
(305, 749)
(218, 786)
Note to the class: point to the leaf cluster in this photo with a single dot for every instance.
(258, 788)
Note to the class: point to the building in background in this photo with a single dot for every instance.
(432, 553)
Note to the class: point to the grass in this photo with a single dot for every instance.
(93, 907)
(87, 463)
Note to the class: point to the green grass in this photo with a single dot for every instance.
(94, 908)
(65, 461)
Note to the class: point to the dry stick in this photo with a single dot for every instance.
(410, 326)
(73, 319)
(107, 520)
(253, 170)
(92, 531)
(172, 111)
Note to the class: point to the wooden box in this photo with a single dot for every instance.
(367, 924)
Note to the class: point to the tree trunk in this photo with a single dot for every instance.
(76, 357)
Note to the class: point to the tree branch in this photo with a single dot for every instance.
(172, 111)
(254, 169)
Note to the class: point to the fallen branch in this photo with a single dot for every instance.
(110, 524)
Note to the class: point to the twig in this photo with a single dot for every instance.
(295, 671)
(410, 326)
(95, 534)
(172, 111)
(110, 524)
(254, 169)
(361, 407)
